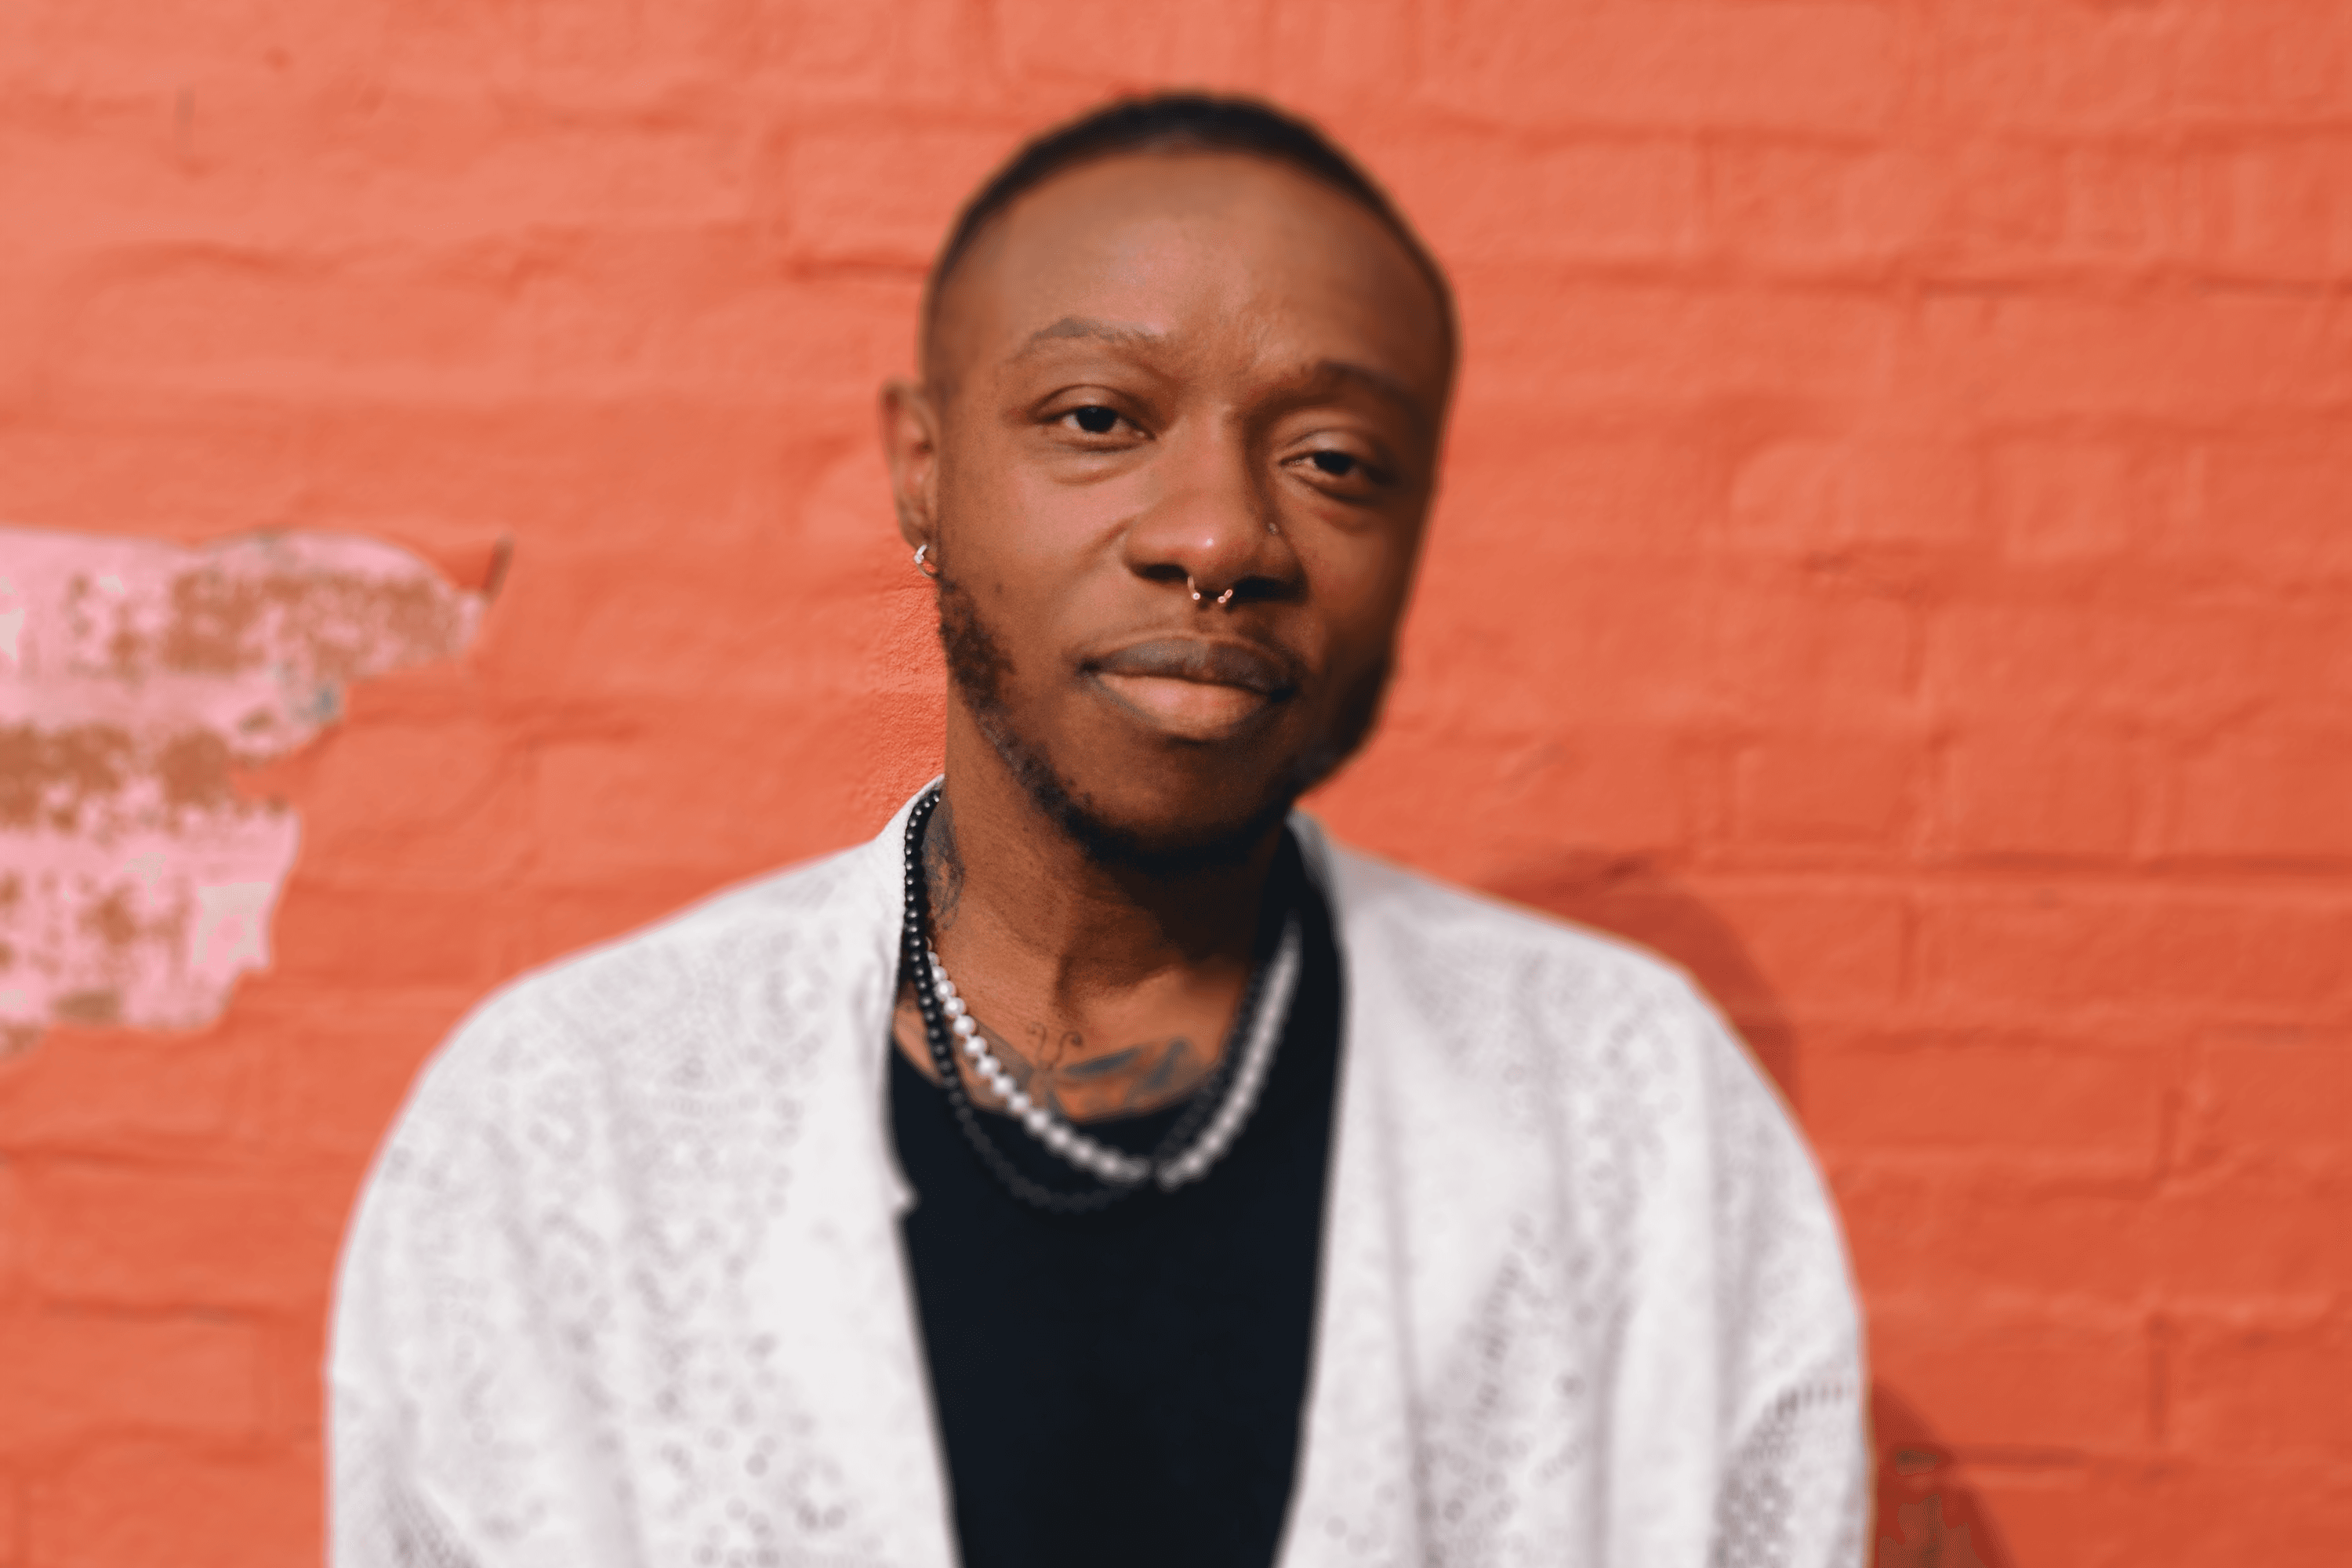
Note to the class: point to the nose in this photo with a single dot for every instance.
(1211, 528)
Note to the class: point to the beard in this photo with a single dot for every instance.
(981, 671)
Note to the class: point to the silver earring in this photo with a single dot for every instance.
(924, 549)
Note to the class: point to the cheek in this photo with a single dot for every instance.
(1016, 524)
(1022, 550)
(1048, 562)
(1359, 582)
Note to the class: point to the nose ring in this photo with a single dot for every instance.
(1223, 599)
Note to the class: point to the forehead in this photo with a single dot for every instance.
(1196, 248)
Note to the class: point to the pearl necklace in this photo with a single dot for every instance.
(1240, 1079)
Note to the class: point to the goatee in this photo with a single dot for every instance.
(979, 668)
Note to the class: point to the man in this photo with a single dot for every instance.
(1208, 1194)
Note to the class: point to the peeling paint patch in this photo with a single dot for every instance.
(135, 677)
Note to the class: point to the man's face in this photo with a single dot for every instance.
(1156, 377)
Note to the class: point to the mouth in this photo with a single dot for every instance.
(1193, 689)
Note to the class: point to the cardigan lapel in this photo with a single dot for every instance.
(1354, 1499)
(860, 1373)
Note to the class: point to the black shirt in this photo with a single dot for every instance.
(1127, 1386)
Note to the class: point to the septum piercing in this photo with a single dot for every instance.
(1224, 600)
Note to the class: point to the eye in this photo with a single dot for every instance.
(1341, 474)
(1094, 419)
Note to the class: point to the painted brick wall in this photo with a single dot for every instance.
(1896, 558)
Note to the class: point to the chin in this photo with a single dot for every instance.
(1150, 816)
(1141, 802)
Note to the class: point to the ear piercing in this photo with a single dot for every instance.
(1224, 599)
(925, 547)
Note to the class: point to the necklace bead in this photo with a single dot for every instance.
(1098, 1159)
(1205, 1132)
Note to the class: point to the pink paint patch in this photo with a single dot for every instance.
(135, 675)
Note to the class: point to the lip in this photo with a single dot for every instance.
(1203, 660)
(1193, 689)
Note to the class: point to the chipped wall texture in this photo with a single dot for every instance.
(1893, 556)
(137, 880)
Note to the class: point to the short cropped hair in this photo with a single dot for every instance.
(1177, 122)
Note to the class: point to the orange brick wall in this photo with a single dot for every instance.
(1896, 557)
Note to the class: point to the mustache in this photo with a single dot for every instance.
(1210, 661)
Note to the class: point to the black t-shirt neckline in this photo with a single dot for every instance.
(1127, 1386)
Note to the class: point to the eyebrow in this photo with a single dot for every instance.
(1127, 334)
(1088, 327)
(1379, 382)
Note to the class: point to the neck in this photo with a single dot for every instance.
(1105, 989)
(1015, 894)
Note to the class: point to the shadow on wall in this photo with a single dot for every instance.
(1926, 1515)
(1625, 897)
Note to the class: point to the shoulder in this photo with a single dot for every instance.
(671, 966)
(662, 1077)
(625, 1131)
(1582, 1066)
(1566, 1043)
(699, 1028)
(696, 969)
(1424, 911)
(1468, 964)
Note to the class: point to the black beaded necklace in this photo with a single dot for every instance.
(915, 966)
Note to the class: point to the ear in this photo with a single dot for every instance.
(911, 444)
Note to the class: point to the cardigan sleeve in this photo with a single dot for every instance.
(379, 1515)
(437, 1427)
(1795, 1467)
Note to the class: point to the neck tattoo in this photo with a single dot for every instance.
(1209, 1127)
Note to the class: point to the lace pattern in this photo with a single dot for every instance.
(624, 1287)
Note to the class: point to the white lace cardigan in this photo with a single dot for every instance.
(625, 1286)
